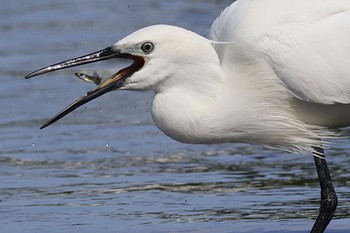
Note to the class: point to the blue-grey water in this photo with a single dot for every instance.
(106, 167)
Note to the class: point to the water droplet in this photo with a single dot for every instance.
(33, 144)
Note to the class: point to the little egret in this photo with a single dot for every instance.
(271, 72)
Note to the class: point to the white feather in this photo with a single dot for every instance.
(306, 43)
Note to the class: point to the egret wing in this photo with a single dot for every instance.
(306, 43)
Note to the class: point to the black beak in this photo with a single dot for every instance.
(101, 55)
(110, 84)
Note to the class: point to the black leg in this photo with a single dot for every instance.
(329, 199)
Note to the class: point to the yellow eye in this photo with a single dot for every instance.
(147, 47)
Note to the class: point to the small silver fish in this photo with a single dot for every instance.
(95, 78)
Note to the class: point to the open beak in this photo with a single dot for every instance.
(112, 83)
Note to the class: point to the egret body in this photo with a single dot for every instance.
(271, 72)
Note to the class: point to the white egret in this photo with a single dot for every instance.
(272, 72)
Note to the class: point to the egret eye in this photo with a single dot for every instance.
(147, 47)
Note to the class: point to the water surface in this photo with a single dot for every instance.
(106, 167)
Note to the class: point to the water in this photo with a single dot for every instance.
(106, 167)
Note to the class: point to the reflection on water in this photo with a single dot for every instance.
(105, 167)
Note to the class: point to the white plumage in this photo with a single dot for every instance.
(301, 50)
(282, 78)
(306, 43)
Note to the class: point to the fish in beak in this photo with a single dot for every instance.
(95, 78)
(112, 83)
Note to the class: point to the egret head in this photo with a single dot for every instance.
(162, 56)
(167, 52)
